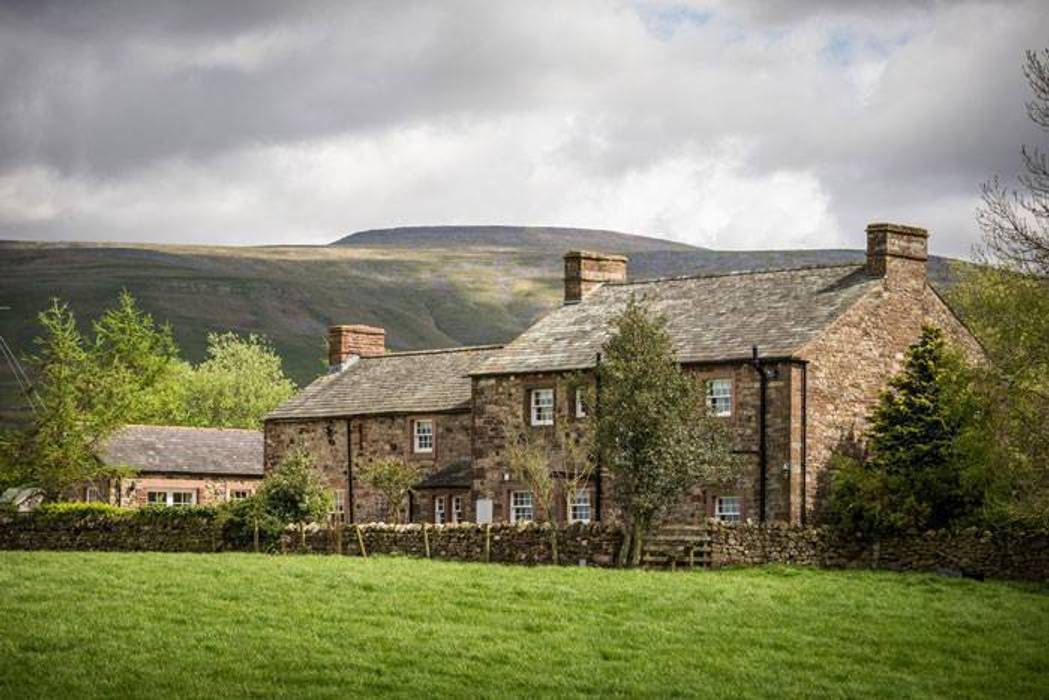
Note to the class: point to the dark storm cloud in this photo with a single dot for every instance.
(728, 124)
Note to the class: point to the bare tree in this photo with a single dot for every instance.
(1015, 221)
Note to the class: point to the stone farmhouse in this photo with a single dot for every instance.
(176, 466)
(793, 359)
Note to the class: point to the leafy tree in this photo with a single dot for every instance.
(58, 449)
(915, 474)
(653, 432)
(238, 384)
(1006, 303)
(393, 478)
(294, 493)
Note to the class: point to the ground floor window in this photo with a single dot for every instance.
(438, 510)
(580, 511)
(521, 506)
(457, 509)
(728, 509)
(92, 495)
(171, 498)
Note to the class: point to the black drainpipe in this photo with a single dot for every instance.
(597, 412)
(349, 471)
(804, 439)
(762, 452)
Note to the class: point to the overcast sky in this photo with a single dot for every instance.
(720, 124)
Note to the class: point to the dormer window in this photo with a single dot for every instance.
(423, 437)
(542, 406)
(719, 397)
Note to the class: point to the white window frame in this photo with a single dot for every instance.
(579, 503)
(234, 497)
(457, 509)
(169, 497)
(728, 509)
(719, 393)
(580, 402)
(418, 438)
(541, 410)
(439, 515)
(92, 494)
(339, 506)
(522, 507)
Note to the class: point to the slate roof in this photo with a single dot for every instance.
(709, 318)
(458, 474)
(177, 450)
(404, 382)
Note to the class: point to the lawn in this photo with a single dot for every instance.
(235, 625)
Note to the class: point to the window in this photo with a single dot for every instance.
(239, 494)
(580, 507)
(719, 397)
(521, 506)
(580, 402)
(438, 510)
(339, 511)
(542, 406)
(457, 509)
(91, 495)
(171, 498)
(728, 509)
(423, 441)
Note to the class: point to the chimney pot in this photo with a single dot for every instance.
(586, 270)
(347, 343)
(898, 253)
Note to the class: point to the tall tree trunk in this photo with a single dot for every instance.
(623, 560)
(637, 542)
(553, 544)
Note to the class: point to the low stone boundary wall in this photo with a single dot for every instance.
(592, 544)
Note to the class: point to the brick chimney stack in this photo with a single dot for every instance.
(898, 253)
(585, 271)
(347, 343)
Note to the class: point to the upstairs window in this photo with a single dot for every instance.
(719, 397)
(423, 436)
(438, 510)
(239, 494)
(580, 402)
(728, 509)
(580, 507)
(542, 404)
(521, 510)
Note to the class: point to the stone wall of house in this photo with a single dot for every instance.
(210, 490)
(340, 445)
(498, 398)
(850, 363)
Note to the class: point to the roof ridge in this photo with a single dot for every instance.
(435, 351)
(191, 427)
(734, 273)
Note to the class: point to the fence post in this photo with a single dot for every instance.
(487, 542)
(360, 541)
(426, 540)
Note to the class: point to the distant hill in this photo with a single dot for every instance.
(428, 286)
(518, 237)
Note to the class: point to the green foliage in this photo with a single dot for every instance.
(293, 493)
(238, 384)
(393, 478)
(653, 432)
(918, 474)
(65, 509)
(238, 521)
(1009, 313)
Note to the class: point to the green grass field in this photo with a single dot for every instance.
(230, 625)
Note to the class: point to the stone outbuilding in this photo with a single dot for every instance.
(174, 465)
(793, 360)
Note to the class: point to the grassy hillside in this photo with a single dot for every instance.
(84, 625)
(428, 286)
